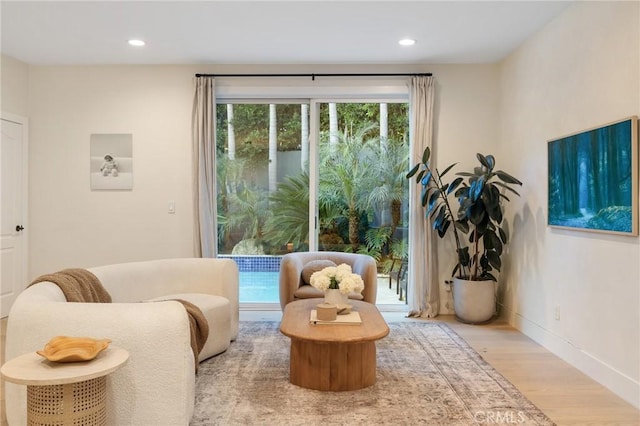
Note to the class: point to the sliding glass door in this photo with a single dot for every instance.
(262, 172)
(363, 195)
(298, 176)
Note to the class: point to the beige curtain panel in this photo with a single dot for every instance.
(204, 167)
(423, 294)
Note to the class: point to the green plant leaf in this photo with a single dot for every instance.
(425, 196)
(476, 213)
(462, 225)
(463, 256)
(492, 242)
(490, 195)
(487, 161)
(447, 169)
(502, 185)
(489, 276)
(465, 205)
(425, 155)
(442, 231)
(426, 179)
(491, 199)
(497, 214)
(487, 241)
(476, 188)
(455, 269)
(452, 187)
(484, 263)
(503, 236)
(433, 199)
(491, 160)
(413, 171)
(438, 218)
(462, 192)
(494, 260)
(506, 177)
(440, 211)
(505, 197)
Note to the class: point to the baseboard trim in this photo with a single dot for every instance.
(617, 382)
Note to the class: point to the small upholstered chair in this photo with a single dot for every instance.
(296, 268)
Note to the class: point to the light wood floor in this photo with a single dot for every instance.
(567, 396)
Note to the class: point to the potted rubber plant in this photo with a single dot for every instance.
(477, 226)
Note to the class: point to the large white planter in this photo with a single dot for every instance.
(474, 301)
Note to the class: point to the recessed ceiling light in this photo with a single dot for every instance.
(407, 42)
(137, 43)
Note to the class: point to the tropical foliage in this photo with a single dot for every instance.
(376, 240)
(347, 177)
(289, 219)
(251, 127)
(351, 116)
(391, 167)
(361, 180)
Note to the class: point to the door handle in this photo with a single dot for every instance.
(19, 228)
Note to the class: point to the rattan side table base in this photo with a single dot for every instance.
(64, 393)
(82, 403)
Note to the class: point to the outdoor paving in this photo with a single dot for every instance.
(388, 295)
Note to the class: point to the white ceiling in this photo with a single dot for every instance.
(269, 32)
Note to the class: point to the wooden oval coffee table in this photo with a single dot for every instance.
(332, 357)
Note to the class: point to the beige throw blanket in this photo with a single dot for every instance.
(199, 328)
(81, 286)
(78, 285)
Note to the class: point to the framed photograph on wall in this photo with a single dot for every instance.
(111, 162)
(593, 179)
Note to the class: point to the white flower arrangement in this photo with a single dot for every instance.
(337, 277)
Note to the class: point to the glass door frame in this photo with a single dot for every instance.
(314, 143)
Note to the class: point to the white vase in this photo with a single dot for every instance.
(334, 297)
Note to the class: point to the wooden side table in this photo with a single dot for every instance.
(70, 393)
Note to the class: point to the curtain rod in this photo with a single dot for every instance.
(314, 75)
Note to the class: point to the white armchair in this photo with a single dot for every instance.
(157, 385)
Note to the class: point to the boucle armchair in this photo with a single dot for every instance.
(157, 384)
(293, 286)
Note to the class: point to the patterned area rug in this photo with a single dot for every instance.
(427, 375)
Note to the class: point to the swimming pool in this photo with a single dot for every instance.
(259, 287)
(259, 281)
(258, 277)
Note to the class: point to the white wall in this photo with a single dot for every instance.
(465, 123)
(72, 226)
(581, 71)
(15, 86)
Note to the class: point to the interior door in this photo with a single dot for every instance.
(12, 234)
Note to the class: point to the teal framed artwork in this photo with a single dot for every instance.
(593, 179)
